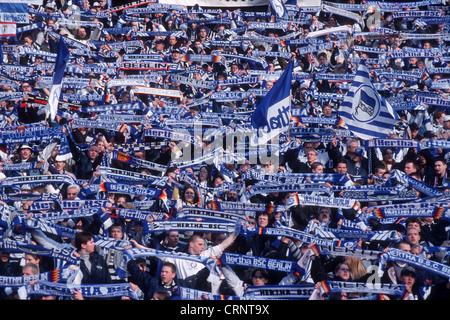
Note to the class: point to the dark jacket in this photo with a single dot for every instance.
(99, 271)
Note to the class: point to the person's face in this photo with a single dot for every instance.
(311, 156)
(202, 33)
(59, 165)
(116, 233)
(193, 112)
(409, 168)
(318, 169)
(343, 272)
(25, 154)
(92, 154)
(232, 196)
(189, 195)
(219, 239)
(352, 147)
(196, 246)
(341, 168)
(4, 256)
(218, 182)
(72, 193)
(269, 85)
(427, 45)
(140, 155)
(408, 280)
(100, 145)
(27, 271)
(388, 155)
(88, 247)
(405, 247)
(120, 200)
(28, 41)
(81, 33)
(258, 279)
(203, 174)
(324, 215)
(413, 236)
(446, 125)
(173, 238)
(26, 87)
(322, 60)
(327, 111)
(414, 225)
(440, 168)
(176, 55)
(167, 275)
(29, 258)
(263, 220)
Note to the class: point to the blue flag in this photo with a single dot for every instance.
(279, 9)
(271, 116)
(58, 75)
(366, 114)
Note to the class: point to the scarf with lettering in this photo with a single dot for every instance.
(124, 176)
(210, 215)
(438, 211)
(244, 206)
(234, 259)
(385, 194)
(418, 185)
(268, 188)
(413, 260)
(123, 157)
(362, 287)
(295, 178)
(58, 253)
(188, 225)
(172, 135)
(279, 292)
(136, 253)
(44, 205)
(53, 276)
(113, 290)
(320, 201)
(330, 233)
(38, 179)
(130, 189)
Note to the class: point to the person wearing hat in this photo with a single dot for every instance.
(408, 277)
(59, 166)
(96, 7)
(50, 7)
(158, 46)
(444, 132)
(175, 57)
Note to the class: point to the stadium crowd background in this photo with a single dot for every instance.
(117, 76)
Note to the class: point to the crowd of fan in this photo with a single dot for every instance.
(95, 39)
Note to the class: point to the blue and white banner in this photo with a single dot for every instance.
(55, 91)
(272, 114)
(364, 111)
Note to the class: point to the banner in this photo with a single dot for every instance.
(364, 111)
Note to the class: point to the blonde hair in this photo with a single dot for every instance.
(356, 266)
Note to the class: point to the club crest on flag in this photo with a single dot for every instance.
(368, 107)
(364, 111)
